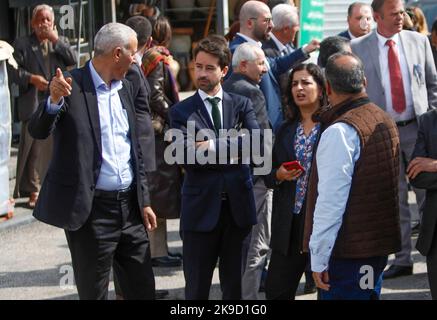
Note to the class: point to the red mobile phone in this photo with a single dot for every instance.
(293, 165)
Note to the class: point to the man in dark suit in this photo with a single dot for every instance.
(422, 172)
(248, 62)
(218, 206)
(359, 20)
(255, 26)
(285, 27)
(38, 56)
(141, 89)
(96, 188)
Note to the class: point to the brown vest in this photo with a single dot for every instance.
(370, 224)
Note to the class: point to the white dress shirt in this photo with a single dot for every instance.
(409, 112)
(351, 35)
(335, 180)
(116, 172)
(279, 45)
(204, 96)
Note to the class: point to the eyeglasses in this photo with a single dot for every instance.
(266, 20)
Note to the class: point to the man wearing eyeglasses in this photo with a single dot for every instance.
(255, 27)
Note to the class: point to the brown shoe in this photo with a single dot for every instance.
(33, 199)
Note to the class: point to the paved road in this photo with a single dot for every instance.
(34, 263)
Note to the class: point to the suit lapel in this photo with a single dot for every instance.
(127, 105)
(289, 140)
(36, 49)
(409, 49)
(91, 101)
(227, 107)
(374, 54)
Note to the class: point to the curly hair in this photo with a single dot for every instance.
(292, 112)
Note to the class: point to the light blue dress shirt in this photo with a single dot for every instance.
(116, 171)
(337, 153)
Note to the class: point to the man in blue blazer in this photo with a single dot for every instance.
(255, 26)
(218, 206)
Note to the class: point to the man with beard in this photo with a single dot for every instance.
(218, 205)
(255, 26)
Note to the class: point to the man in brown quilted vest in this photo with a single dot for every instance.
(352, 221)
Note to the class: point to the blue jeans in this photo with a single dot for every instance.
(347, 283)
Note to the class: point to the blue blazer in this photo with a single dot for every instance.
(269, 83)
(345, 34)
(204, 184)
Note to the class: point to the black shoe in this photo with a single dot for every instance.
(397, 271)
(175, 254)
(310, 287)
(415, 229)
(161, 294)
(166, 262)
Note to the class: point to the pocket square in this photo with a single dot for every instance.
(418, 73)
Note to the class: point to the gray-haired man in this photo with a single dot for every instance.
(96, 187)
(248, 63)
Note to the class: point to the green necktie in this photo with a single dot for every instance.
(216, 117)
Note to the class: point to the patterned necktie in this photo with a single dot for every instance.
(216, 117)
(397, 85)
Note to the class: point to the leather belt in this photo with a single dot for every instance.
(114, 195)
(405, 123)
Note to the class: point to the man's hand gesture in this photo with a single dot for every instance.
(60, 87)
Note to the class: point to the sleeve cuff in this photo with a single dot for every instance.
(52, 108)
(319, 263)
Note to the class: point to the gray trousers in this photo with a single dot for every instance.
(259, 245)
(408, 136)
(158, 239)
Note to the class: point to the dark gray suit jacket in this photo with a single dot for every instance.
(27, 53)
(67, 193)
(426, 147)
(145, 132)
(242, 85)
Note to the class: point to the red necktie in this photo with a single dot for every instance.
(397, 86)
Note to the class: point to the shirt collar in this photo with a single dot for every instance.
(278, 43)
(351, 35)
(139, 58)
(203, 95)
(99, 83)
(382, 40)
(258, 43)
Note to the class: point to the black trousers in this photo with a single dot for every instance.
(431, 265)
(201, 250)
(285, 271)
(114, 235)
